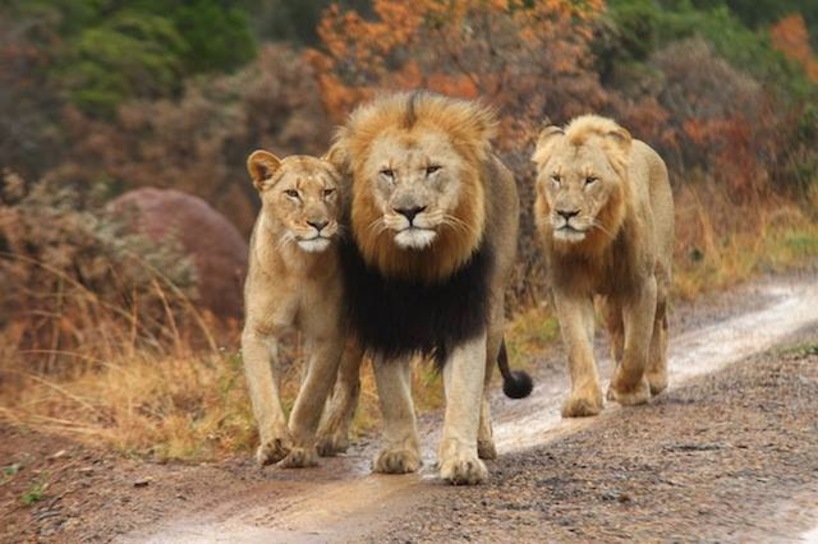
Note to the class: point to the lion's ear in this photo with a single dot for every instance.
(545, 141)
(262, 165)
(337, 156)
(619, 143)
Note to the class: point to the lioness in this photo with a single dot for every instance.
(293, 280)
(604, 211)
(433, 221)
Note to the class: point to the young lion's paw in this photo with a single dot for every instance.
(300, 458)
(583, 405)
(639, 394)
(273, 451)
(397, 461)
(463, 469)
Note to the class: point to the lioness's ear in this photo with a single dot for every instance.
(262, 165)
(545, 141)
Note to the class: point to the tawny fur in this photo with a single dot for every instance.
(293, 282)
(431, 153)
(604, 211)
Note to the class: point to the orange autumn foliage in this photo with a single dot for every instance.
(505, 51)
(790, 37)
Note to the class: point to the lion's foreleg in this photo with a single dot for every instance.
(576, 318)
(485, 437)
(333, 434)
(463, 379)
(260, 360)
(629, 385)
(315, 387)
(401, 450)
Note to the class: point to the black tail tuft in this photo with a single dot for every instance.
(516, 384)
(519, 385)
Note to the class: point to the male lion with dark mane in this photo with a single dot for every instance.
(604, 211)
(433, 221)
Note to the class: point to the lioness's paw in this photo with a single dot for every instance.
(273, 451)
(486, 449)
(639, 394)
(332, 444)
(300, 458)
(582, 405)
(463, 469)
(398, 461)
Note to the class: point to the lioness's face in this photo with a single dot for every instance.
(577, 183)
(416, 183)
(299, 194)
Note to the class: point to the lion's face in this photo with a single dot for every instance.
(418, 202)
(580, 188)
(415, 183)
(299, 197)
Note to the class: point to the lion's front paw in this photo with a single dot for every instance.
(631, 396)
(463, 468)
(657, 382)
(273, 451)
(332, 443)
(300, 458)
(397, 461)
(583, 404)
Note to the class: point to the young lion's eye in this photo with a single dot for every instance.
(591, 179)
(432, 168)
(328, 192)
(556, 179)
(292, 193)
(388, 173)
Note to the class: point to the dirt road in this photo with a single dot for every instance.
(728, 453)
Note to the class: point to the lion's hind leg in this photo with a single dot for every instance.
(333, 434)
(657, 358)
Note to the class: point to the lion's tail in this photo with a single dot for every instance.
(517, 384)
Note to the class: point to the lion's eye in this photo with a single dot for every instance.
(556, 179)
(591, 180)
(292, 193)
(328, 192)
(388, 173)
(432, 168)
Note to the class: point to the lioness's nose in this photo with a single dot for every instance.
(318, 224)
(568, 214)
(410, 213)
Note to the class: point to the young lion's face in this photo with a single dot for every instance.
(577, 183)
(299, 196)
(415, 182)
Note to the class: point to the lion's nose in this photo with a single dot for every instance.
(568, 214)
(410, 213)
(318, 225)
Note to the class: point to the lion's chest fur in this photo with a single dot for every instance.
(395, 317)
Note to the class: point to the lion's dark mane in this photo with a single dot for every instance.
(396, 317)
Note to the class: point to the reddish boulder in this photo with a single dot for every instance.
(218, 250)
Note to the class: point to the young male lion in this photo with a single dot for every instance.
(604, 211)
(293, 281)
(433, 221)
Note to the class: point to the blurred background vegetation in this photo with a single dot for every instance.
(102, 97)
